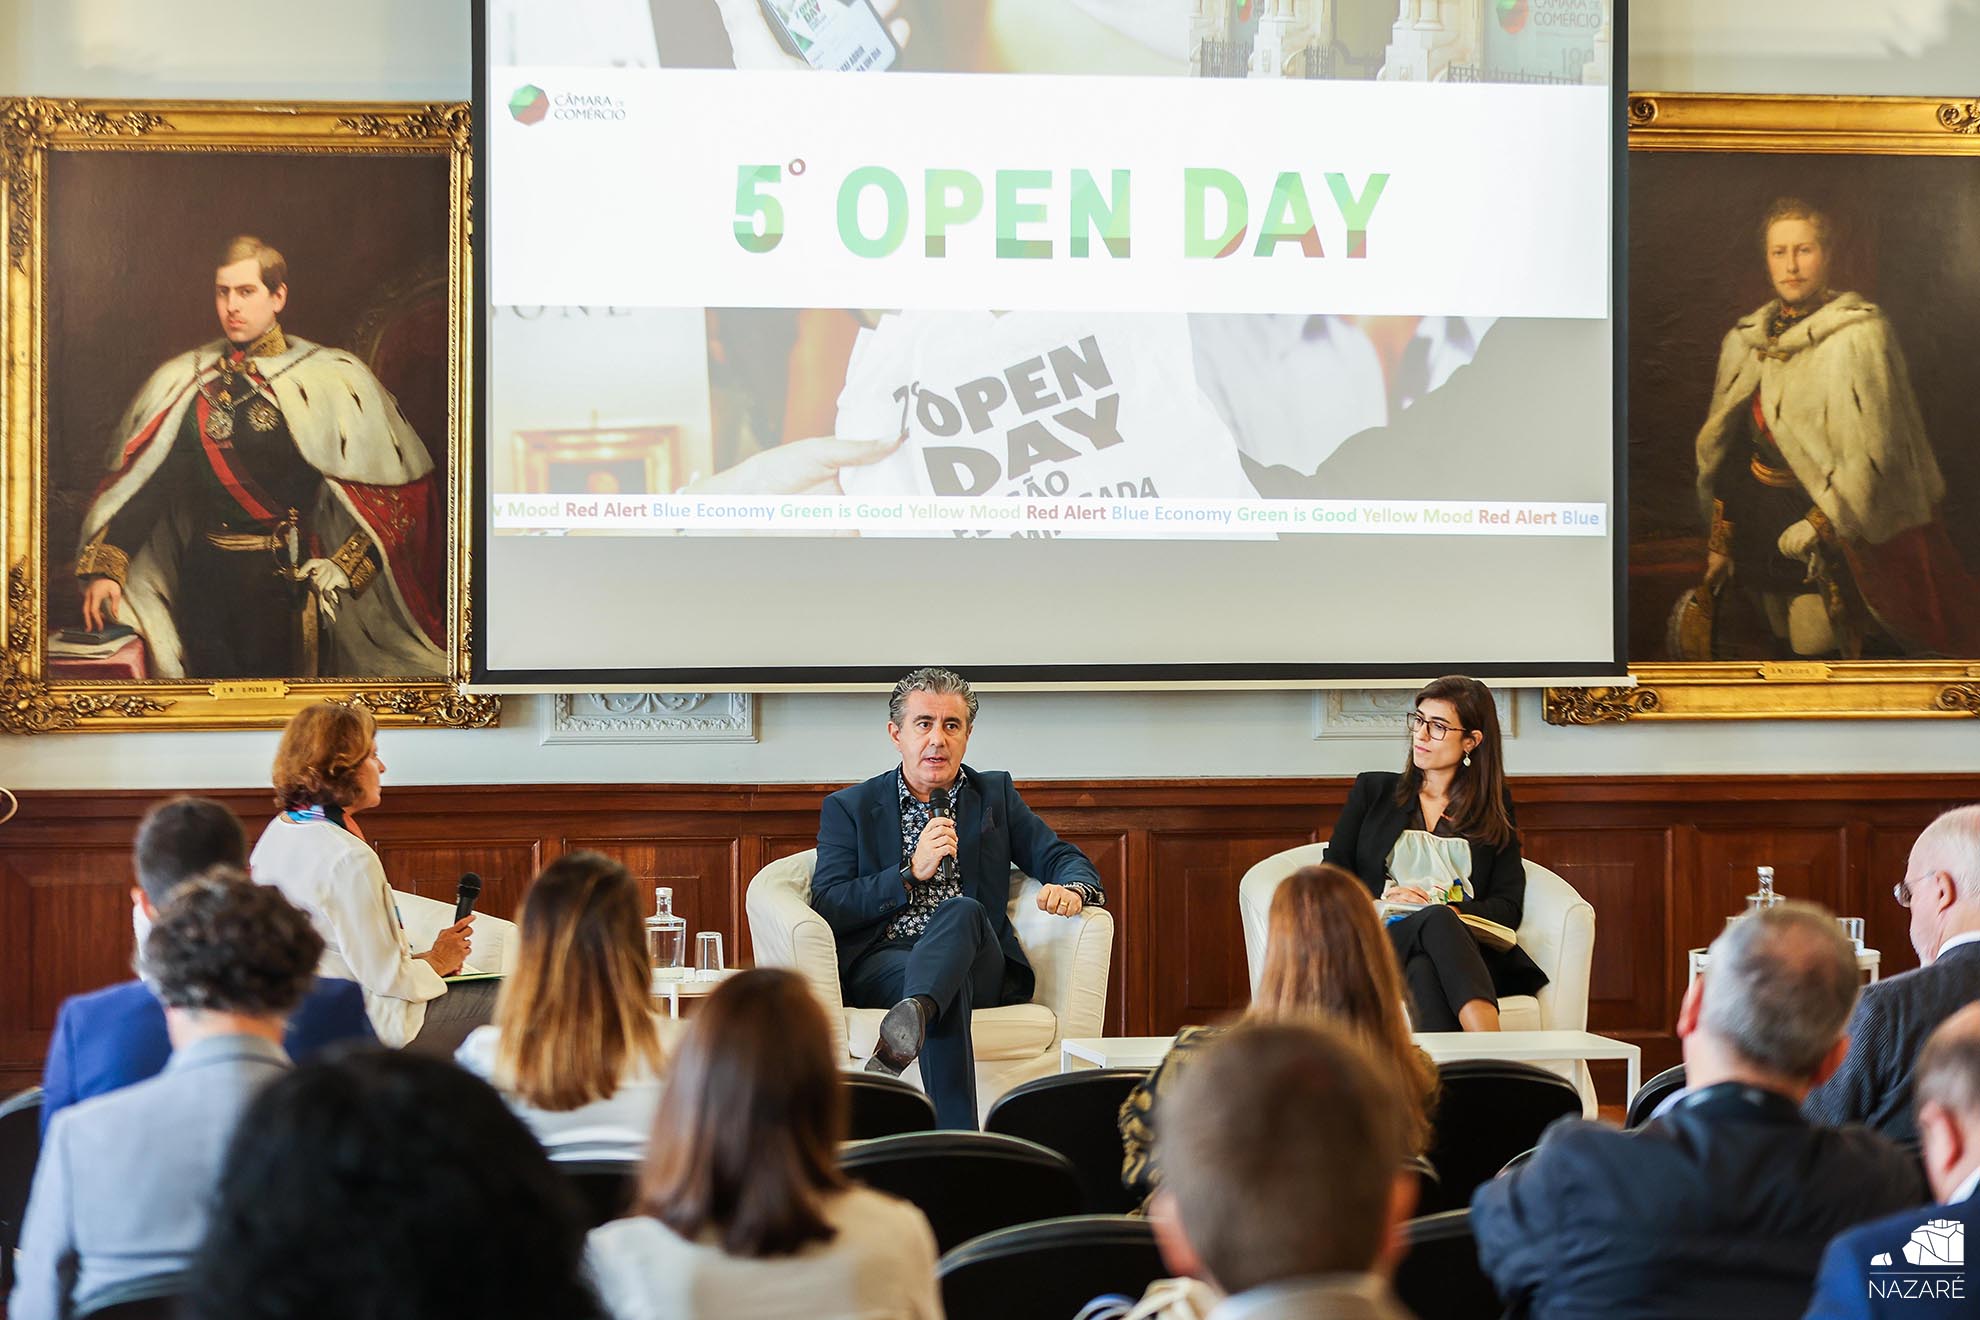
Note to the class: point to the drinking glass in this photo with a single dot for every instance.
(708, 953)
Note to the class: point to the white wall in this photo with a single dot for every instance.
(418, 49)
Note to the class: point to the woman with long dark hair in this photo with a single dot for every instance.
(1441, 834)
(743, 1213)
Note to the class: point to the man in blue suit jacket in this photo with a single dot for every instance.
(1720, 1208)
(914, 877)
(107, 1039)
(1919, 1262)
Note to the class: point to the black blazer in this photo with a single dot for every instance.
(1888, 1029)
(1368, 828)
(856, 885)
(1721, 1208)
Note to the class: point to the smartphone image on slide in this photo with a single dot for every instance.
(841, 36)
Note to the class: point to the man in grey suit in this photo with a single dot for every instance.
(1283, 1184)
(121, 1190)
(1941, 887)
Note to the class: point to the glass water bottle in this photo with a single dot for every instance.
(666, 938)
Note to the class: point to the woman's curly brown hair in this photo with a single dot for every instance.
(225, 943)
(322, 747)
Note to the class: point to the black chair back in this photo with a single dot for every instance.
(1651, 1094)
(881, 1106)
(1077, 1114)
(154, 1298)
(1049, 1269)
(1440, 1278)
(1488, 1111)
(20, 1147)
(967, 1183)
(606, 1187)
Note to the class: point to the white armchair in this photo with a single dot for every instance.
(1070, 957)
(1556, 928)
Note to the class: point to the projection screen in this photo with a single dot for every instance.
(1103, 341)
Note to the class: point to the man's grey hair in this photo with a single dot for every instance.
(1952, 844)
(1949, 1065)
(1780, 988)
(940, 682)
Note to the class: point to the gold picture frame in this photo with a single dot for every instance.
(125, 204)
(1699, 162)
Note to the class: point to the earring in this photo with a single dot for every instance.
(1467, 758)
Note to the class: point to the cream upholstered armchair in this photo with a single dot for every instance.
(1556, 928)
(1070, 956)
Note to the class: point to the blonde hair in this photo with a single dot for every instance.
(274, 267)
(1327, 958)
(578, 1007)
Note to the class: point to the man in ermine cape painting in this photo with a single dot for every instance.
(1822, 490)
(268, 512)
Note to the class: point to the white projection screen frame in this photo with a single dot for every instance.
(1055, 343)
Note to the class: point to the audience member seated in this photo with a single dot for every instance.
(744, 1214)
(1941, 887)
(115, 1036)
(575, 1047)
(1897, 1266)
(1720, 1206)
(121, 1189)
(1442, 834)
(326, 772)
(1281, 1151)
(389, 1186)
(1326, 959)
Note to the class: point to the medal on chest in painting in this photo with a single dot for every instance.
(262, 416)
(219, 422)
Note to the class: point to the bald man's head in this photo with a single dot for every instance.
(1942, 881)
(1947, 1090)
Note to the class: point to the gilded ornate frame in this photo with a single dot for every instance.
(31, 129)
(1812, 125)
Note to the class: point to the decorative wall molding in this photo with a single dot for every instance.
(1377, 713)
(650, 717)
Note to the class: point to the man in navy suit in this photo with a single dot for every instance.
(1919, 1263)
(1722, 1205)
(109, 1038)
(1941, 888)
(914, 877)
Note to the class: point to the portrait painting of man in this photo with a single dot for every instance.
(247, 457)
(267, 506)
(1801, 481)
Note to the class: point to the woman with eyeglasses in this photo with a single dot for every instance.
(1441, 833)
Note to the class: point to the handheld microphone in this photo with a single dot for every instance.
(465, 894)
(938, 802)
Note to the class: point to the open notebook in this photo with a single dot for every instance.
(1488, 933)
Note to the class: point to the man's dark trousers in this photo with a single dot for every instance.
(957, 963)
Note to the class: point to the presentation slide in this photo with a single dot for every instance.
(1059, 339)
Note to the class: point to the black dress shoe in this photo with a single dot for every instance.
(902, 1034)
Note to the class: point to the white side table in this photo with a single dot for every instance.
(1867, 961)
(694, 985)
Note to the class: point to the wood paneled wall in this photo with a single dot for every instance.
(1663, 860)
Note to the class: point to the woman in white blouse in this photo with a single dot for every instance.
(575, 1047)
(743, 1213)
(327, 771)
